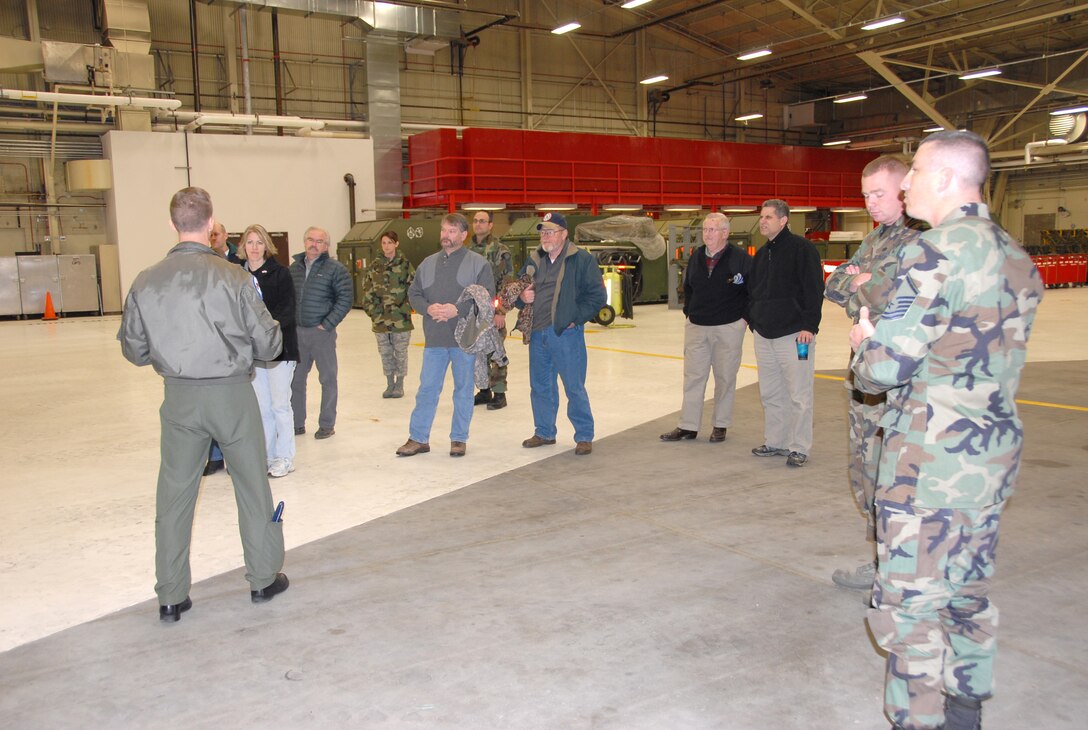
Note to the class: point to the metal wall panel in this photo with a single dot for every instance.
(37, 276)
(78, 282)
(10, 303)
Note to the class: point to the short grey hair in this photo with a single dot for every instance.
(781, 207)
(722, 217)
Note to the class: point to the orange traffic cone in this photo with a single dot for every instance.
(50, 313)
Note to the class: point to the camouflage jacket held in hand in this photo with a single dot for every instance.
(878, 255)
(385, 293)
(498, 256)
(954, 337)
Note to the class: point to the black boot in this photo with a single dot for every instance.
(962, 713)
(497, 402)
(484, 396)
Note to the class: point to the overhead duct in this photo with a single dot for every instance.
(1069, 127)
(127, 25)
(383, 92)
(387, 26)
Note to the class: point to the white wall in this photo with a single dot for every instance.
(284, 183)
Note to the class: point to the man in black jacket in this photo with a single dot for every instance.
(715, 303)
(786, 299)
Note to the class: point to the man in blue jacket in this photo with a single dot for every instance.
(567, 292)
(323, 291)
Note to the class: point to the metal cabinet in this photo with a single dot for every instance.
(78, 283)
(9, 287)
(39, 275)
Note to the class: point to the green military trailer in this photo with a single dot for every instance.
(418, 237)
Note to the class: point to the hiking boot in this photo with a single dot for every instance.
(457, 448)
(962, 713)
(411, 448)
(483, 397)
(497, 401)
(860, 579)
(583, 448)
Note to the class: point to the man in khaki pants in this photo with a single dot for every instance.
(715, 304)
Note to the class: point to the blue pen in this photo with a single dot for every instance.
(277, 516)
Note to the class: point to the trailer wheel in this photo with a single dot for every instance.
(606, 315)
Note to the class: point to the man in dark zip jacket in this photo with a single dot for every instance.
(324, 294)
(786, 291)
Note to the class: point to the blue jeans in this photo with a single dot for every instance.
(431, 377)
(273, 388)
(562, 355)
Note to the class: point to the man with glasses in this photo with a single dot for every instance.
(324, 294)
(567, 292)
(715, 304)
(440, 280)
(502, 267)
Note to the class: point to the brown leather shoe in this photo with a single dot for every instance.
(583, 447)
(679, 433)
(717, 435)
(411, 448)
(457, 448)
(532, 443)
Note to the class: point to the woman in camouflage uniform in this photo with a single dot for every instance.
(385, 300)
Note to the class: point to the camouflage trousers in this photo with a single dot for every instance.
(931, 610)
(496, 372)
(393, 347)
(865, 450)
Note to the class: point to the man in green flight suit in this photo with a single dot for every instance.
(948, 350)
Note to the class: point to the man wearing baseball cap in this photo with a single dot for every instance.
(567, 292)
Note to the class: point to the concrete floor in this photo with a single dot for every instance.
(650, 585)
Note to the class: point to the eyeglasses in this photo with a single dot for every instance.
(550, 231)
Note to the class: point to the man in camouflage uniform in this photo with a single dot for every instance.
(502, 267)
(385, 300)
(948, 350)
(867, 280)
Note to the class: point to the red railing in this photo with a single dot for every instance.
(522, 168)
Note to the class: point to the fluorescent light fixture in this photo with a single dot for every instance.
(848, 99)
(567, 28)
(684, 208)
(981, 74)
(633, 4)
(621, 208)
(846, 210)
(483, 206)
(754, 54)
(803, 209)
(655, 79)
(836, 143)
(1070, 110)
(748, 117)
(557, 206)
(739, 209)
(884, 22)
(933, 129)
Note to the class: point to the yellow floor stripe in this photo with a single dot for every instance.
(1041, 404)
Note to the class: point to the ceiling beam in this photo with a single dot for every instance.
(878, 65)
(1043, 92)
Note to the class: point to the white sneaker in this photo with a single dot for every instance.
(280, 468)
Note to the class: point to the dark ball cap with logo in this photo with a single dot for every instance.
(552, 221)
